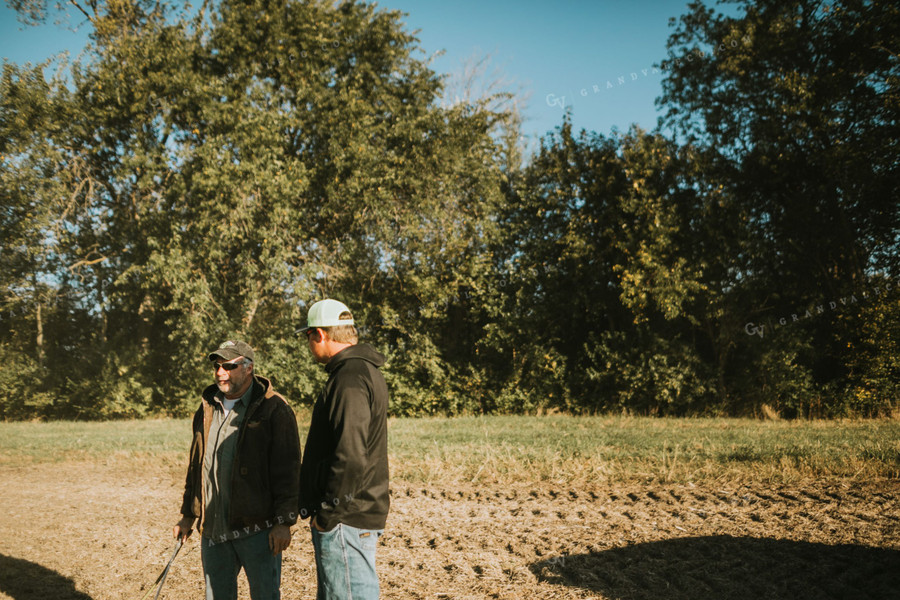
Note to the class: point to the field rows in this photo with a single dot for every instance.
(88, 530)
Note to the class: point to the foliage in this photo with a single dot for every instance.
(874, 369)
(207, 173)
(222, 171)
(792, 107)
(597, 227)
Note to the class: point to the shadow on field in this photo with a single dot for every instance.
(24, 580)
(713, 568)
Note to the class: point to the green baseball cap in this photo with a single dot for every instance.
(231, 350)
(326, 313)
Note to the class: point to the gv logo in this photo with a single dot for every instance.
(553, 100)
(752, 329)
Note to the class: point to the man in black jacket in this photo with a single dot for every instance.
(344, 476)
(243, 477)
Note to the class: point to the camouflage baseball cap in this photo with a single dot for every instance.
(232, 349)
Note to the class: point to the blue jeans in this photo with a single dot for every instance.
(345, 563)
(222, 561)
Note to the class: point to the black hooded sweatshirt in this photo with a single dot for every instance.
(344, 475)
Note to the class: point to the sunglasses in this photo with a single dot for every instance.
(227, 366)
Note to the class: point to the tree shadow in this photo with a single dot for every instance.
(24, 580)
(730, 568)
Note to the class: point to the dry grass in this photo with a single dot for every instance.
(564, 450)
(584, 451)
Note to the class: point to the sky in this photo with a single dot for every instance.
(596, 58)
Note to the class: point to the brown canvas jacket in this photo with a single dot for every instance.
(265, 481)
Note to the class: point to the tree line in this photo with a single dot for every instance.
(208, 173)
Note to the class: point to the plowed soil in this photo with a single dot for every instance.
(77, 530)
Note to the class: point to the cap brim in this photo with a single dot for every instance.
(224, 354)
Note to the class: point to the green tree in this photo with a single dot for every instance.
(239, 162)
(793, 106)
(601, 288)
(39, 306)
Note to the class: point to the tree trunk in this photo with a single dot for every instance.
(40, 336)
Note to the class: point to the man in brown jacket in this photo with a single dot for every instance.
(243, 478)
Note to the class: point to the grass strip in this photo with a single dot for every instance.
(561, 450)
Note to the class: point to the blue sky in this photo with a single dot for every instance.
(566, 53)
(595, 57)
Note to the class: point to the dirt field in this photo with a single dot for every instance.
(76, 530)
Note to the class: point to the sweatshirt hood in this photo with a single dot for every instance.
(363, 351)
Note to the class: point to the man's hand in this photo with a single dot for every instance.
(184, 528)
(279, 538)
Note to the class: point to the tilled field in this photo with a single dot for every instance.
(76, 530)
